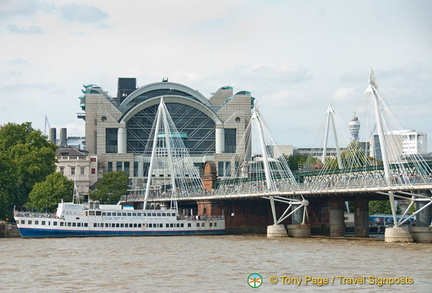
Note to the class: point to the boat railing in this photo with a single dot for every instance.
(35, 215)
(201, 218)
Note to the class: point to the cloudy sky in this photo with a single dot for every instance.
(294, 56)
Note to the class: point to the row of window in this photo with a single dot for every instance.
(118, 225)
(123, 214)
(81, 171)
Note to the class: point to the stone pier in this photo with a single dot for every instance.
(361, 217)
(337, 218)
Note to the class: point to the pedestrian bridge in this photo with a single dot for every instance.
(260, 170)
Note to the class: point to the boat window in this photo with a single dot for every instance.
(98, 213)
(130, 225)
(129, 214)
(139, 214)
(61, 223)
(22, 221)
(189, 225)
(197, 224)
(211, 224)
(134, 214)
(135, 225)
(43, 223)
(139, 225)
(79, 224)
(36, 222)
(121, 225)
(178, 225)
(158, 214)
(124, 214)
(153, 214)
(215, 224)
(173, 214)
(103, 214)
(73, 224)
(167, 225)
(54, 223)
(202, 224)
(163, 214)
(171, 225)
(118, 214)
(30, 222)
(85, 224)
(94, 225)
(118, 225)
(91, 213)
(109, 214)
(182, 225)
(69, 224)
(149, 225)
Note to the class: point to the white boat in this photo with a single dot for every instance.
(87, 220)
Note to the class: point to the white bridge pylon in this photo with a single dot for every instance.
(259, 168)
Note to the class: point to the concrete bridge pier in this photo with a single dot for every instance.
(276, 230)
(361, 217)
(422, 231)
(299, 229)
(337, 217)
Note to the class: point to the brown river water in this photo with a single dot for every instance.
(213, 264)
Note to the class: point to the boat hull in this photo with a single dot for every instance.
(56, 233)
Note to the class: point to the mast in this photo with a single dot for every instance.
(153, 154)
(372, 89)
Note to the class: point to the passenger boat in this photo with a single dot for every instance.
(97, 220)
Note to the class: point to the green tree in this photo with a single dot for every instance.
(26, 157)
(47, 194)
(110, 187)
(379, 207)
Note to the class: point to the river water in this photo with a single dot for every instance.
(212, 264)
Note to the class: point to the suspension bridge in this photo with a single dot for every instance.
(259, 169)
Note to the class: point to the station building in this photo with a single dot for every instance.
(117, 127)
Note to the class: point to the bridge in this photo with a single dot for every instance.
(259, 169)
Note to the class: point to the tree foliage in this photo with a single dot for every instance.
(299, 161)
(110, 187)
(47, 194)
(379, 207)
(26, 157)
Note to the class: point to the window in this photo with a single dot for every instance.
(85, 224)
(62, 170)
(54, 223)
(111, 140)
(69, 224)
(197, 224)
(82, 171)
(110, 166)
(30, 222)
(22, 221)
(202, 224)
(74, 224)
(93, 159)
(36, 222)
(211, 224)
(94, 225)
(93, 171)
(72, 170)
(119, 166)
(189, 225)
(230, 140)
(79, 224)
(43, 223)
(61, 223)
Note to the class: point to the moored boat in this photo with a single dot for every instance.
(94, 220)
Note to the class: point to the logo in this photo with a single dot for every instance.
(254, 280)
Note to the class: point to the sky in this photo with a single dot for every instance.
(295, 57)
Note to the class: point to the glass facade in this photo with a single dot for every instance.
(198, 127)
